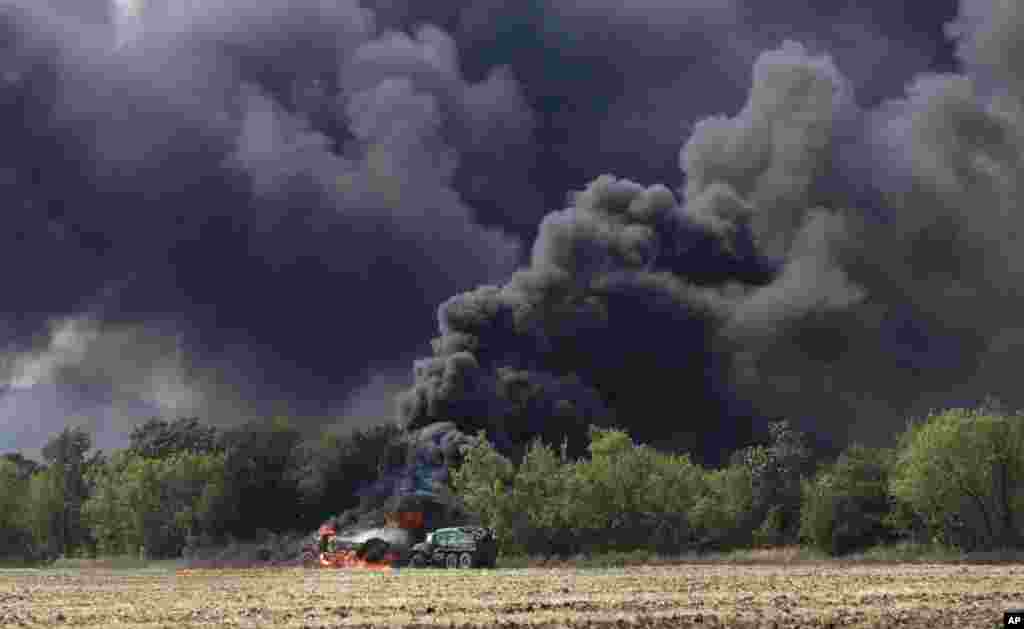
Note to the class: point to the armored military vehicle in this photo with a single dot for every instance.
(456, 547)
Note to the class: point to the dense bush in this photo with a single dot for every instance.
(961, 472)
(16, 539)
(720, 515)
(847, 506)
(623, 497)
(336, 470)
(153, 503)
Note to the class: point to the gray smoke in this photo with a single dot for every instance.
(847, 313)
(222, 185)
(266, 203)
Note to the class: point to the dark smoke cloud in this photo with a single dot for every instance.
(270, 200)
(628, 289)
(844, 306)
(612, 80)
(241, 194)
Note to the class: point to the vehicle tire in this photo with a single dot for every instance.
(374, 550)
(418, 560)
(466, 561)
(451, 561)
(308, 558)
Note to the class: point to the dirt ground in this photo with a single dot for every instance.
(826, 595)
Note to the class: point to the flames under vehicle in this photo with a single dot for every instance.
(402, 541)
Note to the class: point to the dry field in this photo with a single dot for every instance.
(800, 595)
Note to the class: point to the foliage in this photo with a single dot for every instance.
(847, 507)
(624, 497)
(955, 481)
(483, 482)
(262, 473)
(334, 470)
(720, 513)
(158, 438)
(15, 529)
(24, 467)
(962, 472)
(44, 509)
(66, 455)
(153, 503)
(776, 472)
(634, 496)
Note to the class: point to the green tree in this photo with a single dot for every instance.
(624, 496)
(334, 469)
(543, 501)
(153, 503)
(25, 467)
(46, 508)
(721, 514)
(158, 438)
(15, 527)
(847, 506)
(631, 495)
(263, 470)
(775, 473)
(483, 482)
(962, 471)
(66, 455)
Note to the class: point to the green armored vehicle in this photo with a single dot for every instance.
(456, 547)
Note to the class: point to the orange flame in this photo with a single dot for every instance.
(348, 559)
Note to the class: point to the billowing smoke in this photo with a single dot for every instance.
(626, 311)
(776, 285)
(236, 207)
(247, 191)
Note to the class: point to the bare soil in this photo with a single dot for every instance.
(776, 596)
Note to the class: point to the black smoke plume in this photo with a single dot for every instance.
(781, 282)
(228, 208)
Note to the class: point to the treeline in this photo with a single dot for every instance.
(955, 479)
(181, 484)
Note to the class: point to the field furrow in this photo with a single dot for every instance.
(828, 595)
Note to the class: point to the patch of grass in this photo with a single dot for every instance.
(126, 562)
(907, 551)
(784, 555)
(18, 564)
(777, 555)
(929, 553)
(772, 555)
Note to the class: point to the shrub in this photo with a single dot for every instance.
(962, 473)
(846, 507)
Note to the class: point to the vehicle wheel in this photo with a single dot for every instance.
(308, 558)
(451, 560)
(465, 561)
(374, 550)
(418, 561)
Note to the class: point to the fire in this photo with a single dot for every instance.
(348, 559)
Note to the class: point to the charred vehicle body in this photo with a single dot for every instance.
(401, 536)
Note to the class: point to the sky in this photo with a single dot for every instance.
(686, 218)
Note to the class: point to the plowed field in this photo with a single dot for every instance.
(815, 595)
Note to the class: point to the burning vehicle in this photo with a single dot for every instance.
(410, 499)
(402, 539)
(382, 546)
